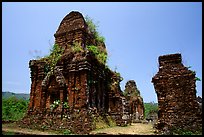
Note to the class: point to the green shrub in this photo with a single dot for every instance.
(67, 132)
(13, 109)
(55, 104)
(100, 55)
(93, 49)
(54, 56)
(77, 47)
(65, 105)
(93, 28)
(56, 53)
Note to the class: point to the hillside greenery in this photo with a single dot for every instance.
(150, 107)
(13, 109)
(8, 94)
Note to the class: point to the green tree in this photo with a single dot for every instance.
(150, 108)
(13, 108)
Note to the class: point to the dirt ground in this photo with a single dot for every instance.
(12, 128)
(133, 129)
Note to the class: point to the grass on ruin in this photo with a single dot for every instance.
(186, 132)
(102, 123)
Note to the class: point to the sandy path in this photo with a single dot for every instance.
(134, 128)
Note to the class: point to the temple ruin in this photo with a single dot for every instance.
(79, 85)
(135, 101)
(176, 92)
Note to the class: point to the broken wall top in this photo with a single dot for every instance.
(170, 59)
(171, 65)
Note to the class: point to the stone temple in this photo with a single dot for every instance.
(83, 86)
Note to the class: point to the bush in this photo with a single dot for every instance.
(93, 28)
(55, 55)
(77, 47)
(14, 109)
(67, 132)
(100, 55)
(55, 104)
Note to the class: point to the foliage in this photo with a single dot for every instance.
(52, 59)
(67, 132)
(65, 105)
(55, 54)
(180, 131)
(56, 104)
(125, 93)
(111, 121)
(104, 122)
(13, 109)
(194, 72)
(100, 123)
(8, 133)
(150, 108)
(93, 28)
(77, 47)
(197, 79)
(94, 49)
(8, 94)
(100, 54)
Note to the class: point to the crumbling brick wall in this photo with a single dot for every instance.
(176, 93)
(118, 104)
(79, 79)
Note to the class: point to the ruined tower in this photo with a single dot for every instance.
(136, 104)
(175, 88)
(78, 86)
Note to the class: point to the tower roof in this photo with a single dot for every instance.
(73, 21)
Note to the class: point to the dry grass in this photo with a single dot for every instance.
(13, 128)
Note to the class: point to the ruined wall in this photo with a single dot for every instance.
(118, 104)
(175, 88)
(78, 79)
(136, 105)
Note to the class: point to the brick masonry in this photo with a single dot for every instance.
(79, 79)
(175, 88)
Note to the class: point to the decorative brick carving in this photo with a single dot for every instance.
(176, 93)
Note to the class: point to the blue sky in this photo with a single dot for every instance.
(136, 35)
